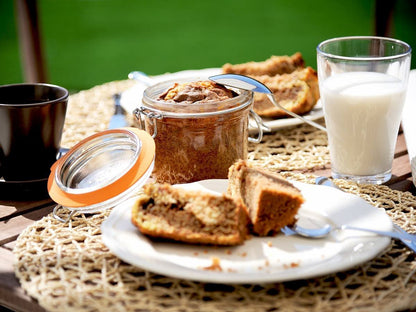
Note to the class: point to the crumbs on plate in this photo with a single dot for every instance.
(215, 265)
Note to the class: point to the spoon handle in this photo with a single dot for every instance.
(408, 239)
(312, 123)
(411, 243)
(382, 233)
(141, 77)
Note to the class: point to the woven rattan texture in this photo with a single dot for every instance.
(66, 267)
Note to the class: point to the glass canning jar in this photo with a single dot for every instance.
(196, 141)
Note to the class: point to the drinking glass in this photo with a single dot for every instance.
(363, 82)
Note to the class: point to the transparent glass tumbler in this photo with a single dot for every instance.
(363, 83)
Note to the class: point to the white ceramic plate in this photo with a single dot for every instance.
(258, 260)
(131, 98)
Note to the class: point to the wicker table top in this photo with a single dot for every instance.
(66, 267)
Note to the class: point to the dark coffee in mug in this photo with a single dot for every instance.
(31, 121)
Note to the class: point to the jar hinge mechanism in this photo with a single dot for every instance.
(142, 112)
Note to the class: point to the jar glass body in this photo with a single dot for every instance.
(195, 141)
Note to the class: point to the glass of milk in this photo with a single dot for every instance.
(363, 82)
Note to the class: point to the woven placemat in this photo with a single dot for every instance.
(66, 266)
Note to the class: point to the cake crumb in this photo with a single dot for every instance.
(215, 265)
(294, 264)
(291, 265)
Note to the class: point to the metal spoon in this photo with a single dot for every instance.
(141, 77)
(409, 242)
(118, 120)
(398, 233)
(327, 229)
(250, 84)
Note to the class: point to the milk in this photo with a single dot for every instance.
(362, 114)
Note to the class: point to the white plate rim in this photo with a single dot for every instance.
(136, 91)
(358, 248)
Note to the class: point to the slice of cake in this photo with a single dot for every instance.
(297, 92)
(271, 201)
(293, 86)
(190, 216)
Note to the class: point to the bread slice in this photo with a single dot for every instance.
(294, 86)
(190, 216)
(271, 201)
(298, 92)
(275, 65)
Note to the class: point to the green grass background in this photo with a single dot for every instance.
(90, 42)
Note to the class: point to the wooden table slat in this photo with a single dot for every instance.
(10, 207)
(16, 298)
(401, 170)
(401, 147)
(11, 228)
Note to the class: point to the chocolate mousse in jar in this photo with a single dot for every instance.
(200, 128)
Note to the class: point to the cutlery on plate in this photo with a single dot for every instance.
(250, 84)
(118, 120)
(411, 244)
(408, 239)
(398, 233)
(141, 77)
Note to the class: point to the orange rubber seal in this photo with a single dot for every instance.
(139, 168)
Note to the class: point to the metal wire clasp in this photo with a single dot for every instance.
(141, 113)
(58, 217)
(260, 125)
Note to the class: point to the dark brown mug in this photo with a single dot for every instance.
(32, 117)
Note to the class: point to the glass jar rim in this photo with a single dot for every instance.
(406, 46)
(78, 158)
(138, 167)
(205, 109)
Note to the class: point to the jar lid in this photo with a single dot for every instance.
(101, 168)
